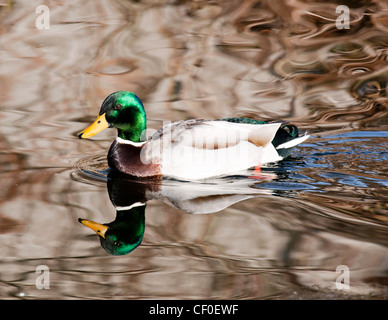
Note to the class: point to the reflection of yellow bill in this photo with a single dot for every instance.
(98, 228)
(96, 127)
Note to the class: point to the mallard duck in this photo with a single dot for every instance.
(189, 149)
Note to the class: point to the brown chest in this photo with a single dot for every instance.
(127, 158)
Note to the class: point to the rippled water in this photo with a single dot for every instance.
(281, 235)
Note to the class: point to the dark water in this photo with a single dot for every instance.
(279, 236)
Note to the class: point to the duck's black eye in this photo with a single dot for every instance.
(117, 106)
(117, 244)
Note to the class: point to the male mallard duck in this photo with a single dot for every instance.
(189, 149)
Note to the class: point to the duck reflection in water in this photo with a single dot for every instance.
(129, 196)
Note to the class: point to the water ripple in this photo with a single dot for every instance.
(325, 206)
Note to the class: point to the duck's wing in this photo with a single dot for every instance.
(173, 131)
(165, 138)
(222, 134)
(197, 149)
(207, 134)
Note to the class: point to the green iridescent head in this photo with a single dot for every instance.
(122, 235)
(122, 110)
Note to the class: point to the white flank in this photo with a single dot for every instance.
(218, 148)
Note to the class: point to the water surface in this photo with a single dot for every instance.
(279, 236)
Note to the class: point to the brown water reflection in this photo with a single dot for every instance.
(273, 59)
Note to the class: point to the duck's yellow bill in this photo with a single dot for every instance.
(96, 127)
(98, 228)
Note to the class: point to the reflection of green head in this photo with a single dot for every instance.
(122, 235)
